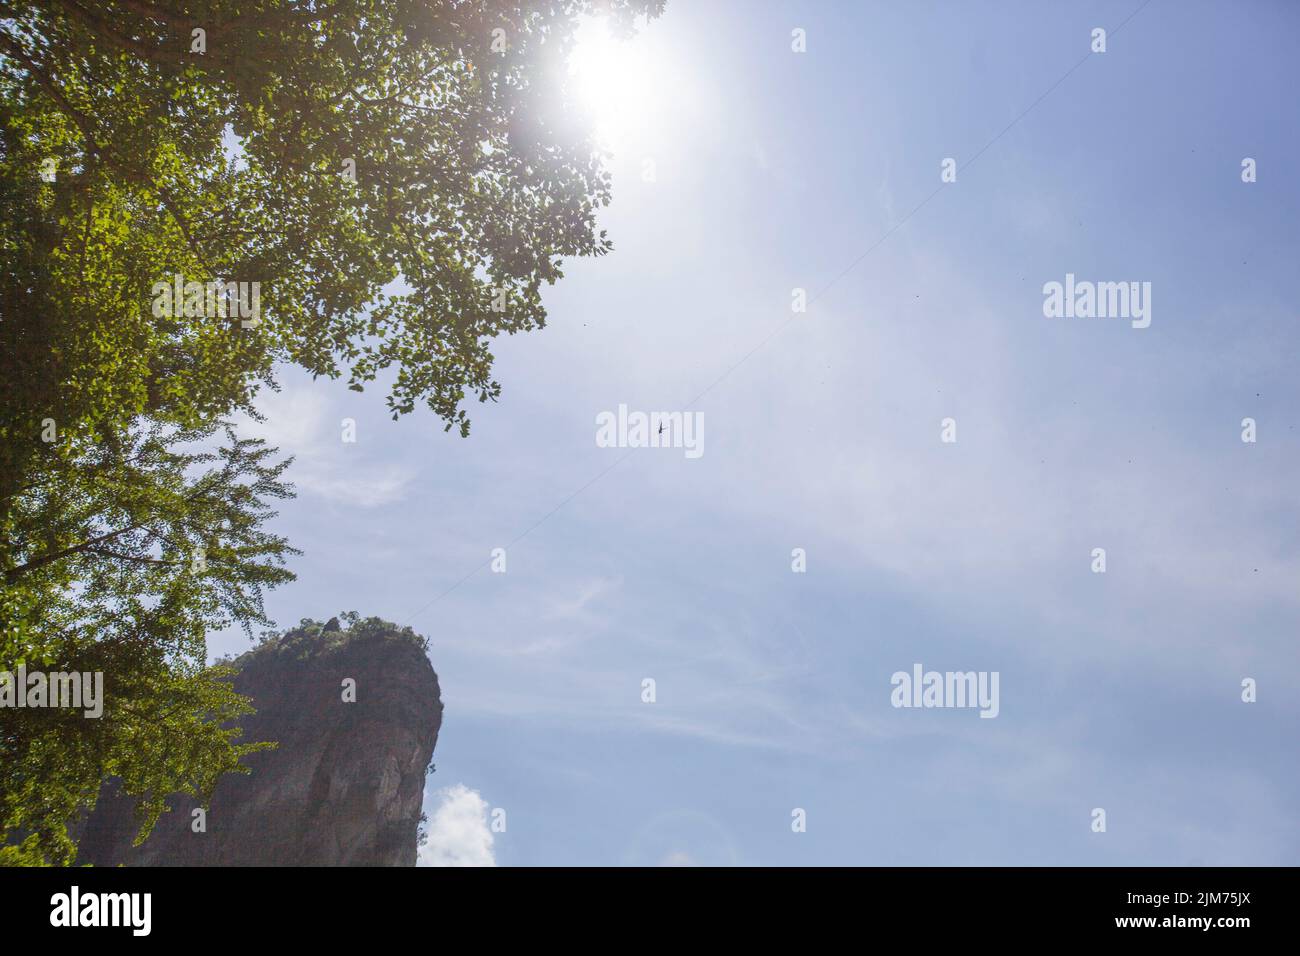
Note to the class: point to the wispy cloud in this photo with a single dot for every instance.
(298, 421)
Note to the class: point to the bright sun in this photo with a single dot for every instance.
(613, 81)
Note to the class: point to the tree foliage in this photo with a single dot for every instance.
(473, 180)
(121, 562)
(400, 178)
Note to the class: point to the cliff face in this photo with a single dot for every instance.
(343, 788)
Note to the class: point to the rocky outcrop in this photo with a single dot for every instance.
(345, 784)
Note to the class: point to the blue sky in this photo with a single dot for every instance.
(776, 170)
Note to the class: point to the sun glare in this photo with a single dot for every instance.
(613, 81)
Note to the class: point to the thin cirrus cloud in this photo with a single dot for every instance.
(298, 421)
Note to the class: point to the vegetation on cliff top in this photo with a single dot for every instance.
(311, 638)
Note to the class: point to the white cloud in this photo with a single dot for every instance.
(299, 423)
(576, 608)
(459, 834)
(678, 858)
(378, 486)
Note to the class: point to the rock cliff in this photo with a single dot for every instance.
(345, 784)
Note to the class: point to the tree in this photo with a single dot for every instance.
(389, 184)
(323, 154)
(134, 553)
